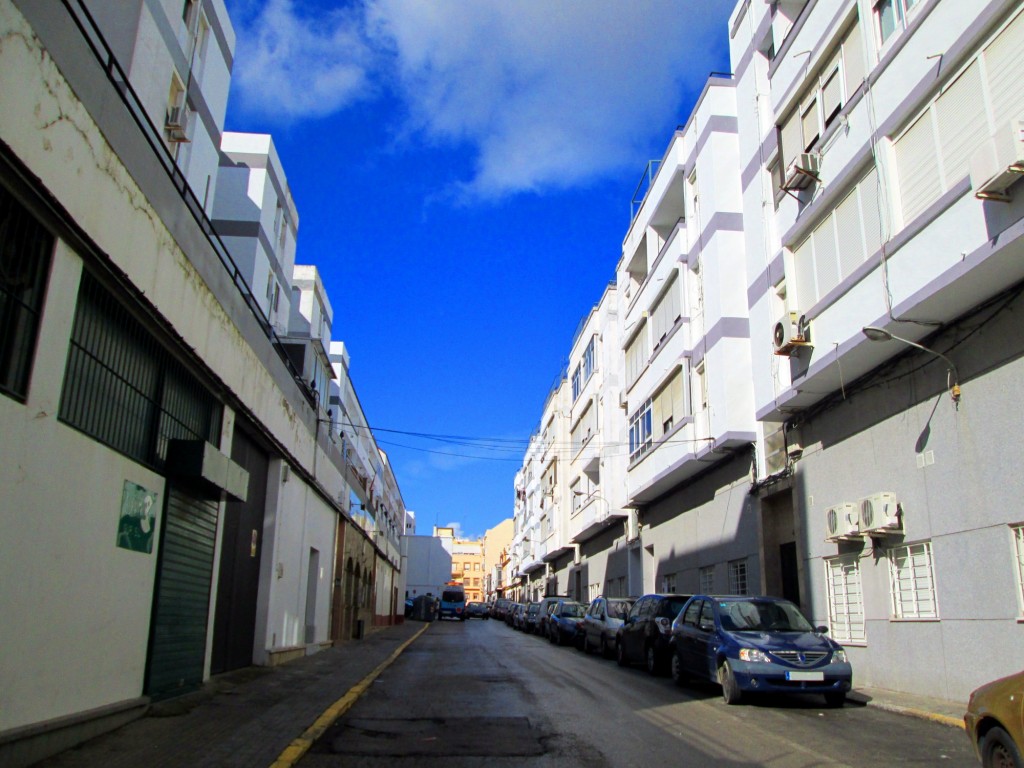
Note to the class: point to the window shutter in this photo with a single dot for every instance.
(919, 182)
(832, 96)
(871, 213)
(1004, 64)
(826, 258)
(803, 259)
(791, 140)
(853, 59)
(809, 123)
(848, 235)
(962, 123)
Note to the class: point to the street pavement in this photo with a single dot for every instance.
(270, 716)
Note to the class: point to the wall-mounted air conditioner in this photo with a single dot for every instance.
(880, 513)
(803, 171)
(790, 332)
(999, 162)
(177, 124)
(842, 521)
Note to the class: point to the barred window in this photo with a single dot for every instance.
(845, 599)
(1018, 548)
(26, 249)
(912, 582)
(707, 580)
(124, 389)
(738, 577)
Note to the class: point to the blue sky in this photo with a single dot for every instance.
(463, 174)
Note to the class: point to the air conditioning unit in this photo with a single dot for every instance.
(803, 171)
(880, 513)
(177, 124)
(788, 332)
(842, 521)
(999, 162)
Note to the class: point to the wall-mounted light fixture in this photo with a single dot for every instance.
(953, 377)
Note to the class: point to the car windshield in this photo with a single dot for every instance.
(762, 616)
(533, 609)
(617, 609)
(453, 596)
(572, 609)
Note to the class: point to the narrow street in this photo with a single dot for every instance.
(480, 693)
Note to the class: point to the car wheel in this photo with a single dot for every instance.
(731, 692)
(586, 644)
(678, 674)
(835, 699)
(620, 655)
(559, 638)
(607, 650)
(999, 751)
(651, 659)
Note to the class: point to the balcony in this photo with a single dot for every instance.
(594, 516)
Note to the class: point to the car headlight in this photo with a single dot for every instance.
(752, 654)
(839, 656)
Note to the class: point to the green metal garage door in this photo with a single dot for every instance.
(177, 646)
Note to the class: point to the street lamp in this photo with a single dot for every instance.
(881, 334)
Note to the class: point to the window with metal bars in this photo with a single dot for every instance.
(123, 388)
(845, 599)
(26, 250)
(912, 582)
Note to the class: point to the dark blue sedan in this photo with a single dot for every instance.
(757, 644)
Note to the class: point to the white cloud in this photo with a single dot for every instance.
(289, 66)
(543, 94)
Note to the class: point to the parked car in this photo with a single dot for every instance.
(546, 605)
(477, 611)
(645, 632)
(565, 622)
(499, 608)
(995, 721)
(518, 616)
(602, 620)
(511, 612)
(757, 644)
(530, 617)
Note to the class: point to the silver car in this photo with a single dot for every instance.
(603, 619)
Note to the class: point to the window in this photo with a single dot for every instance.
(124, 389)
(912, 582)
(707, 580)
(577, 383)
(845, 599)
(25, 252)
(636, 355)
(668, 405)
(666, 311)
(669, 583)
(640, 438)
(891, 16)
(738, 577)
(702, 387)
(1018, 547)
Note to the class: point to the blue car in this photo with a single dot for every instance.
(757, 644)
(566, 622)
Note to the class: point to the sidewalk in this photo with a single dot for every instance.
(253, 716)
(246, 718)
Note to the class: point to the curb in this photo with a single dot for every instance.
(921, 714)
(295, 751)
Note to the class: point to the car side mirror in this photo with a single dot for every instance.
(822, 630)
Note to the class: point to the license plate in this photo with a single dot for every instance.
(806, 676)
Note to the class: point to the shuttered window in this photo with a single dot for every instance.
(912, 582)
(962, 123)
(853, 59)
(809, 123)
(826, 257)
(849, 237)
(668, 408)
(919, 180)
(1004, 65)
(636, 355)
(845, 599)
(666, 311)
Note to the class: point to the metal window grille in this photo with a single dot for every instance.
(707, 580)
(845, 599)
(126, 390)
(912, 582)
(738, 577)
(26, 248)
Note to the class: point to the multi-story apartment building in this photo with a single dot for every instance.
(496, 543)
(883, 241)
(202, 493)
(468, 567)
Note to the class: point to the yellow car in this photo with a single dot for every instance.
(995, 722)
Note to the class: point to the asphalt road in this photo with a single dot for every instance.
(478, 693)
